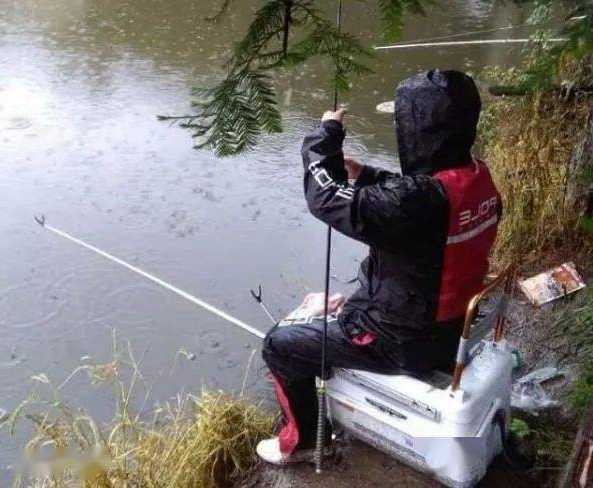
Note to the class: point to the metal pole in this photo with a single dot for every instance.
(259, 299)
(323, 374)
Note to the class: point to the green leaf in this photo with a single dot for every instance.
(393, 13)
(520, 428)
(223, 9)
(587, 224)
(268, 23)
(233, 114)
(342, 48)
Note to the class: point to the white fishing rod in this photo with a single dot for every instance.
(467, 43)
(135, 269)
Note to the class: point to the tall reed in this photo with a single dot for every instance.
(204, 441)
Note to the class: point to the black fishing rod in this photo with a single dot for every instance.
(321, 405)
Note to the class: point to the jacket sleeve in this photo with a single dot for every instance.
(383, 211)
(371, 175)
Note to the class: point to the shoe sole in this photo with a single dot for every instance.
(299, 458)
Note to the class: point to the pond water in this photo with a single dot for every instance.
(82, 82)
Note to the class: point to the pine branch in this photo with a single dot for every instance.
(267, 24)
(221, 11)
(235, 113)
(580, 33)
(393, 12)
(232, 115)
(288, 4)
(342, 48)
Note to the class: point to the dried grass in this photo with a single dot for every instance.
(528, 142)
(199, 442)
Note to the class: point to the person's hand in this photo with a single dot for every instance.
(353, 167)
(338, 115)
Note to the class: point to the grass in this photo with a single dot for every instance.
(581, 393)
(199, 442)
(548, 447)
(580, 334)
(548, 437)
(529, 142)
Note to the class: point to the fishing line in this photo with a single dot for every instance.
(486, 31)
(320, 441)
(154, 279)
(471, 33)
(463, 34)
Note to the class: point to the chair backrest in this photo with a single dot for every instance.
(478, 324)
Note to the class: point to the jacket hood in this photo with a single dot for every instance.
(436, 117)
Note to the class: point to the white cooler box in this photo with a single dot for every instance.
(449, 429)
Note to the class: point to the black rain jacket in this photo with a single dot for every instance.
(402, 218)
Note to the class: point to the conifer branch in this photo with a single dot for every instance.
(237, 111)
(231, 115)
(221, 11)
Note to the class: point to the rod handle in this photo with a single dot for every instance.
(320, 441)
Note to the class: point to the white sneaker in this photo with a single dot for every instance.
(269, 451)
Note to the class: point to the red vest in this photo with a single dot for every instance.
(473, 221)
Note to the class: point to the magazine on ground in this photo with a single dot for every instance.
(552, 284)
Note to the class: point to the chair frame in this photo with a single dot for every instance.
(506, 278)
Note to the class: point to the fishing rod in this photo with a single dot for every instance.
(467, 43)
(429, 41)
(320, 441)
(483, 31)
(135, 269)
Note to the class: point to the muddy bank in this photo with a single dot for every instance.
(358, 465)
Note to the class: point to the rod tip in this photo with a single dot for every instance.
(40, 220)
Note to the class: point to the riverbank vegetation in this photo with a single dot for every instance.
(563, 337)
(537, 135)
(203, 441)
(535, 144)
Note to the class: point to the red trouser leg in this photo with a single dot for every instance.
(289, 434)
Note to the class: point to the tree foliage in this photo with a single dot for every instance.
(548, 59)
(392, 13)
(231, 115)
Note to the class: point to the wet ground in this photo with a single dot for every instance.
(362, 466)
(82, 82)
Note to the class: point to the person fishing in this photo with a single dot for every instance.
(429, 230)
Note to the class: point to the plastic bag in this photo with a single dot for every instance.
(312, 307)
(528, 393)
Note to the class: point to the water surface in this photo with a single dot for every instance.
(82, 82)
